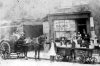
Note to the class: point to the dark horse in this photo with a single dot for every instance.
(38, 45)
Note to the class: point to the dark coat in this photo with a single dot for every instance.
(37, 44)
(79, 41)
(73, 44)
(41, 40)
(86, 38)
(19, 45)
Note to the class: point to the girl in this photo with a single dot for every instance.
(52, 51)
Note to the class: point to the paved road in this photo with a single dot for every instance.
(43, 62)
(32, 62)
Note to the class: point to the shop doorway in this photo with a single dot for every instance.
(82, 26)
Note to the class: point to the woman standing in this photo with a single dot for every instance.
(52, 51)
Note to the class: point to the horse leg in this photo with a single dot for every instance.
(35, 54)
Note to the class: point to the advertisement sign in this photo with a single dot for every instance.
(67, 25)
(64, 28)
(91, 22)
(56, 25)
(64, 25)
(72, 25)
(45, 27)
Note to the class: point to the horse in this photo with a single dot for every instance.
(37, 43)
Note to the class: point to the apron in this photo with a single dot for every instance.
(52, 51)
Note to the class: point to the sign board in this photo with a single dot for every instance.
(64, 28)
(64, 25)
(45, 27)
(91, 22)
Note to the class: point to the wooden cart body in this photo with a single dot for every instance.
(7, 48)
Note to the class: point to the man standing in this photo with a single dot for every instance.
(72, 51)
(37, 48)
(18, 46)
(25, 47)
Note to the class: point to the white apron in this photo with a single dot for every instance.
(52, 51)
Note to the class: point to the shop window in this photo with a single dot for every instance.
(64, 28)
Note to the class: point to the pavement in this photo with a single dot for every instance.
(43, 62)
(43, 55)
(31, 55)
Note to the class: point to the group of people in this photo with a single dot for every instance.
(21, 45)
(80, 39)
(83, 40)
(23, 42)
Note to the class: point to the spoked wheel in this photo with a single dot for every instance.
(93, 60)
(5, 50)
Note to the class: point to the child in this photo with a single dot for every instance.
(52, 51)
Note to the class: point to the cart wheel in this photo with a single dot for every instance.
(93, 60)
(5, 48)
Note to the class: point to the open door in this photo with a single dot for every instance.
(82, 26)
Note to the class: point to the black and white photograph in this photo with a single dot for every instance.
(49, 32)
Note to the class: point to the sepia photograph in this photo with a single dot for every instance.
(49, 32)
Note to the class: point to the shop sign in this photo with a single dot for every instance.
(64, 25)
(45, 27)
(91, 22)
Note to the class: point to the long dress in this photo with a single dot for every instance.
(52, 51)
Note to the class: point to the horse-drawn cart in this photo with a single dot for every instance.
(9, 47)
(5, 49)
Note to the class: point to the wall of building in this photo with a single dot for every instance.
(33, 31)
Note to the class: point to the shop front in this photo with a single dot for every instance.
(68, 24)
